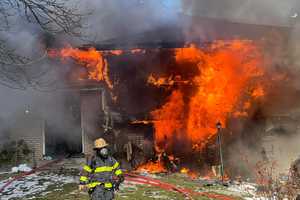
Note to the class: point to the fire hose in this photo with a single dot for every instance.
(22, 175)
(170, 187)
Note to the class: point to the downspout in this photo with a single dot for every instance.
(82, 129)
(43, 137)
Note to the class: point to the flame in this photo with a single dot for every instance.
(161, 81)
(167, 81)
(141, 122)
(227, 73)
(116, 52)
(224, 76)
(152, 167)
(92, 59)
(168, 120)
(184, 170)
(258, 92)
(190, 173)
(136, 51)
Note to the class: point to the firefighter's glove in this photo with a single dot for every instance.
(116, 185)
(83, 188)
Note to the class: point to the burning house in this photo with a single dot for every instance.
(172, 96)
(178, 86)
(163, 91)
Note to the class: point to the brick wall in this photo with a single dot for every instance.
(30, 129)
(35, 143)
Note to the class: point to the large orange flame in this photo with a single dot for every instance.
(227, 83)
(92, 59)
(168, 121)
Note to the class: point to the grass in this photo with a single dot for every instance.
(67, 192)
(147, 193)
(7, 175)
(183, 181)
(129, 192)
(70, 192)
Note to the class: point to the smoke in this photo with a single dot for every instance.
(265, 12)
(271, 134)
(36, 95)
(278, 147)
(117, 18)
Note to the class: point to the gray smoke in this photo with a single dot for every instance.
(266, 12)
(117, 18)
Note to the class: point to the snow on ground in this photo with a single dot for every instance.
(21, 168)
(243, 188)
(146, 174)
(1, 173)
(248, 190)
(155, 195)
(33, 184)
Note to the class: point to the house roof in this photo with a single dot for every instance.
(189, 30)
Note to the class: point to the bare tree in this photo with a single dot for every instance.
(52, 16)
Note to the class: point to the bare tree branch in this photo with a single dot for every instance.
(53, 16)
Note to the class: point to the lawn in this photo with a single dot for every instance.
(52, 186)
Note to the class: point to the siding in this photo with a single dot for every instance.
(30, 129)
(91, 119)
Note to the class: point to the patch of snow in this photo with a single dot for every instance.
(155, 195)
(47, 158)
(33, 184)
(21, 168)
(5, 173)
(248, 190)
(14, 169)
(243, 188)
(147, 174)
(154, 176)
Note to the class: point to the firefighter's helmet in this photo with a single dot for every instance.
(100, 143)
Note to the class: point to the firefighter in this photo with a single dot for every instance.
(98, 173)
